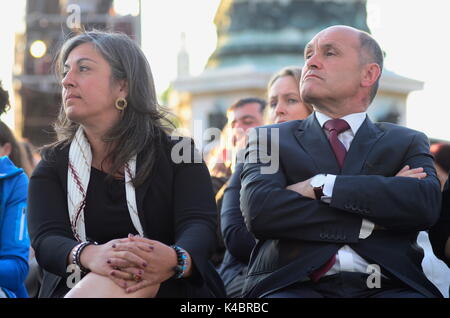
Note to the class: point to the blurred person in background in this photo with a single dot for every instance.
(433, 241)
(284, 99)
(242, 115)
(15, 150)
(14, 240)
(441, 153)
(440, 232)
(30, 153)
(17, 153)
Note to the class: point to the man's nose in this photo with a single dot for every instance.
(313, 61)
(239, 126)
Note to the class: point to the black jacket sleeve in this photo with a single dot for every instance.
(273, 212)
(195, 211)
(440, 232)
(400, 203)
(397, 203)
(238, 240)
(48, 219)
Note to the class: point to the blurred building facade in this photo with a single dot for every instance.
(48, 24)
(258, 37)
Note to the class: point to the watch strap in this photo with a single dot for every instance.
(318, 191)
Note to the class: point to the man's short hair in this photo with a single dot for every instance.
(371, 53)
(250, 100)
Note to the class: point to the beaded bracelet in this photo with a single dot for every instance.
(182, 262)
(77, 253)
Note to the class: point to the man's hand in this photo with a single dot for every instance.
(411, 173)
(406, 171)
(303, 188)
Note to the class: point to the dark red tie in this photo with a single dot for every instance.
(334, 127)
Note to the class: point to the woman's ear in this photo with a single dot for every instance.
(123, 88)
(6, 149)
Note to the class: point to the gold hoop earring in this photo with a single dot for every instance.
(121, 103)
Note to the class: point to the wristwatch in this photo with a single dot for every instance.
(317, 183)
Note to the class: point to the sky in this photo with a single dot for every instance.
(413, 33)
(11, 21)
(162, 25)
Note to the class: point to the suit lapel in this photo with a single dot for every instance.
(366, 137)
(313, 140)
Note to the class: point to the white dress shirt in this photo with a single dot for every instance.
(347, 260)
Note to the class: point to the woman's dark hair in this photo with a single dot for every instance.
(4, 100)
(141, 129)
(6, 136)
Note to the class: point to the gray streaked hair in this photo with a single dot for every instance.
(141, 128)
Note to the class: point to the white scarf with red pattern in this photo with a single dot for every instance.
(80, 159)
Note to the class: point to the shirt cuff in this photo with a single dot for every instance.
(366, 226)
(366, 229)
(328, 188)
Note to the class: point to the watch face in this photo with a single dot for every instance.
(318, 180)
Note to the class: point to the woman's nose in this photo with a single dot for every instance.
(68, 80)
(280, 108)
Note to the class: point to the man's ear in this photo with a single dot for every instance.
(370, 75)
(6, 149)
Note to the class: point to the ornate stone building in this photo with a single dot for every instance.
(258, 37)
(48, 23)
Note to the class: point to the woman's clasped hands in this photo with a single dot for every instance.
(136, 262)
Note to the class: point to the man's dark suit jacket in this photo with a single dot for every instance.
(297, 235)
(175, 205)
(440, 232)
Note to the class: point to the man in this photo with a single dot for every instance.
(340, 216)
(242, 115)
(246, 113)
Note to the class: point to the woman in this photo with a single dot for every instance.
(285, 104)
(14, 240)
(284, 96)
(114, 171)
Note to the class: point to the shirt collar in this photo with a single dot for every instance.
(354, 120)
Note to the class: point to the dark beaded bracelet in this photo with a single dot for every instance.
(77, 253)
(182, 262)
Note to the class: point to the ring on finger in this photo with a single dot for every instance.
(136, 278)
